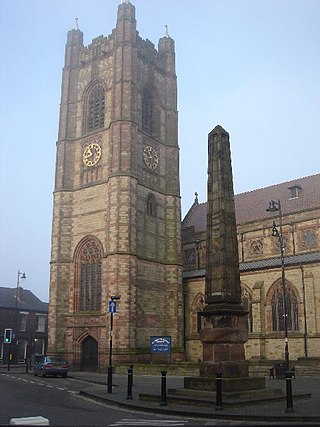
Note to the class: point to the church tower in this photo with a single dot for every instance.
(116, 213)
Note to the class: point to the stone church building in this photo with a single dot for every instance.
(261, 272)
(117, 219)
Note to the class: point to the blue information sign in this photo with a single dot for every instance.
(160, 344)
(112, 307)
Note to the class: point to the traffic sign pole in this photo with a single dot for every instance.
(112, 309)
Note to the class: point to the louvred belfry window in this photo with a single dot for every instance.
(150, 111)
(95, 108)
(152, 205)
(147, 111)
(89, 264)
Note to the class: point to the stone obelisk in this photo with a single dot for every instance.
(224, 328)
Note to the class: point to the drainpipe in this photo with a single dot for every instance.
(242, 248)
(304, 310)
(293, 238)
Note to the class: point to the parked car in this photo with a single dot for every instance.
(48, 365)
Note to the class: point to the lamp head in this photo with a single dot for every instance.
(275, 232)
(272, 207)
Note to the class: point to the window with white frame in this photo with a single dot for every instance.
(23, 320)
(41, 323)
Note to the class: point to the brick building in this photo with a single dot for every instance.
(27, 316)
(260, 269)
(116, 215)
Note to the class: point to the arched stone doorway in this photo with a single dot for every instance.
(89, 358)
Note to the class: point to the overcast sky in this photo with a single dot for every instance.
(251, 66)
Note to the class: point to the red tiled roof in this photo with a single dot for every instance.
(252, 205)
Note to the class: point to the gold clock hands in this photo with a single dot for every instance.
(88, 153)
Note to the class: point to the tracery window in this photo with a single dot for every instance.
(189, 257)
(256, 246)
(95, 109)
(149, 112)
(246, 299)
(309, 237)
(89, 277)
(152, 205)
(277, 308)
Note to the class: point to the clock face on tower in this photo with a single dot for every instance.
(150, 157)
(91, 154)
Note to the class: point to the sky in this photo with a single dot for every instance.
(251, 66)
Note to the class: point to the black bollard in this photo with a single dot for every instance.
(109, 390)
(218, 391)
(163, 388)
(289, 408)
(131, 366)
(27, 366)
(130, 379)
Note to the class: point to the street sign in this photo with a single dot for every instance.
(160, 344)
(112, 307)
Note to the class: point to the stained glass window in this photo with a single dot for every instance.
(278, 309)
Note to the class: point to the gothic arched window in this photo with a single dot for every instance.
(246, 299)
(95, 108)
(88, 265)
(150, 120)
(277, 308)
(152, 205)
(197, 308)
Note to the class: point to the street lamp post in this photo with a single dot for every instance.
(20, 276)
(112, 309)
(276, 207)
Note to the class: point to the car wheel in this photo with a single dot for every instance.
(64, 375)
(35, 373)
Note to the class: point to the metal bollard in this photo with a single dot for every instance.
(163, 388)
(218, 391)
(131, 366)
(289, 408)
(130, 382)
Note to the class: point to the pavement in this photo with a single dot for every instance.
(306, 409)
